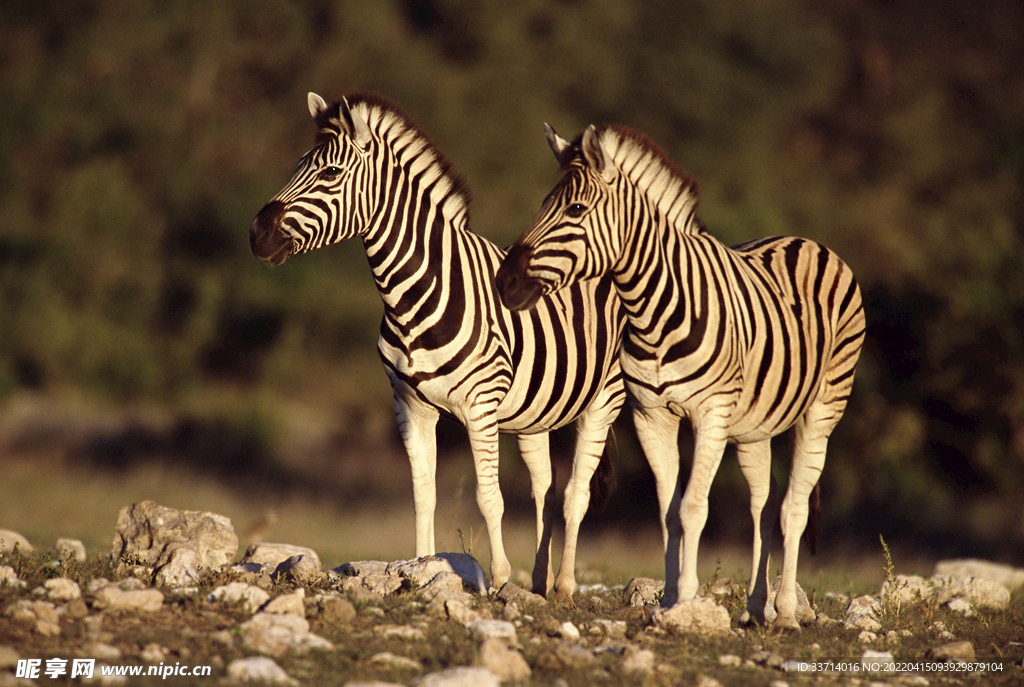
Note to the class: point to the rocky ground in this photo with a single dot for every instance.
(172, 600)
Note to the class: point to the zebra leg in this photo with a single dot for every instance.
(417, 423)
(535, 450)
(591, 434)
(811, 440)
(710, 438)
(483, 441)
(756, 463)
(658, 431)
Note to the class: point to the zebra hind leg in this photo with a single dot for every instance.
(535, 450)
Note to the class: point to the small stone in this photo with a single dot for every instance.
(8, 657)
(863, 613)
(706, 681)
(608, 628)
(503, 661)
(147, 532)
(867, 637)
(1007, 576)
(444, 581)
(258, 669)
(153, 653)
(276, 635)
(386, 658)
(420, 571)
(961, 606)
(698, 616)
(288, 604)
(455, 606)
(460, 677)
(61, 589)
(72, 549)
(568, 631)
(249, 596)
(644, 591)
(114, 598)
(511, 593)
(302, 569)
(179, 569)
(493, 629)
(638, 660)
(730, 660)
(404, 632)
(335, 610)
(952, 651)
(8, 578)
(11, 540)
(361, 568)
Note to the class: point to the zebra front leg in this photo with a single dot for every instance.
(658, 431)
(591, 434)
(535, 450)
(756, 463)
(483, 441)
(810, 443)
(417, 423)
(709, 444)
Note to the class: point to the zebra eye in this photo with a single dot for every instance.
(330, 172)
(576, 210)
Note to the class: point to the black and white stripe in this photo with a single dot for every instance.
(447, 344)
(743, 342)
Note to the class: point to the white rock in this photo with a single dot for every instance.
(275, 634)
(568, 631)
(288, 604)
(699, 616)
(977, 590)
(460, 677)
(961, 606)
(71, 548)
(10, 540)
(422, 570)
(730, 660)
(258, 669)
(179, 569)
(9, 578)
(61, 589)
(405, 632)
(302, 568)
(147, 532)
(505, 662)
(114, 598)
(361, 568)
(272, 555)
(249, 596)
(638, 660)
(497, 629)
(863, 613)
(1008, 576)
(386, 658)
(644, 591)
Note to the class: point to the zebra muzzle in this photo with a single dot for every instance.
(267, 238)
(517, 290)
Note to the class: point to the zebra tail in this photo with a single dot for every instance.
(603, 483)
(813, 529)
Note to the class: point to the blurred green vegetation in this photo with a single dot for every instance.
(138, 140)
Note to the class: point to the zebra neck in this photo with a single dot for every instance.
(410, 248)
(651, 282)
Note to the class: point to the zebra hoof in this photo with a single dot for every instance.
(786, 625)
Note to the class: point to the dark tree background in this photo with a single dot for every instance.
(138, 140)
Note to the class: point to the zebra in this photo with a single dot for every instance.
(447, 345)
(742, 342)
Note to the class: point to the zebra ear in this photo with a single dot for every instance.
(596, 157)
(317, 106)
(357, 127)
(559, 146)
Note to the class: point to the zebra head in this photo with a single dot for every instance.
(325, 200)
(574, 236)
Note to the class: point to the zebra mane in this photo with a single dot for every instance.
(649, 168)
(401, 132)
